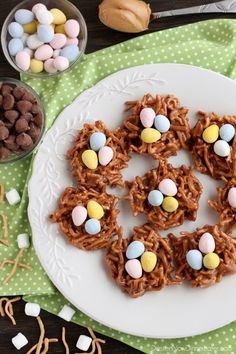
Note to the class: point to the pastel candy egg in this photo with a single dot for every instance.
(105, 155)
(58, 16)
(206, 243)
(31, 27)
(92, 226)
(36, 66)
(24, 16)
(44, 17)
(227, 132)
(211, 134)
(23, 60)
(56, 53)
(155, 198)
(24, 38)
(38, 7)
(150, 135)
(29, 51)
(70, 52)
(70, 41)
(232, 197)
(95, 210)
(135, 250)
(79, 215)
(49, 66)
(61, 63)
(168, 187)
(97, 140)
(147, 116)
(15, 30)
(58, 41)
(148, 261)
(89, 158)
(194, 259)
(45, 33)
(33, 42)
(15, 46)
(211, 261)
(133, 268)
(60, 29)
(44, 52)
(221, 148)
(170, 204)
(162, 123)
(72, 28)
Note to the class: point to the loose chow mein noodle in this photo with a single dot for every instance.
(110, 174)
(8, 309)
(14, 268)
(1, 193)
(172, 140)
(189, 191)
(162, 274)
(77, 235)
(205, 159)
(63, 337)
(3, 239)
(225, 249)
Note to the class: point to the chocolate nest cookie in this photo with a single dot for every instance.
(166, 195)
(214, 153)
(141, 276)
(97, 207)
(203, 257)
(98, 160)
(159, 131)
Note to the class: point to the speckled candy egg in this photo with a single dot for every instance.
(194, 259)
(227, 132)
(24, 16)
(170, 204)
(211, 134)
(206, 243)
(92, 226)
(44, 52)
(49, 66)
(148, 261)
(232, 197)
(79, 215)
(15, 30)
(58, 41)
(97, 140)
(15, 46)
(147, 116)
(23, 60)
(221, 148)
(72, 28)
(135, 249)
(133, 268)
(56, 53)
(33, 42)
(155, 198)
(70, 41)
(95, 210)
(36, 66)
(61, 63)
(89, 157)
(58, 16)
(211, 261)
(105, 155)
(70, 52)
(168, 187)
(29, 51)
(38, 7)
(150, 135)
(162, 123)
(45, 33)
(44, 17)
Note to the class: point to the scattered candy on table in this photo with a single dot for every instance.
(83, 342)
(66, 313)
(164, 196)
(153, 125)
(42, 31)
(19, 341)
(32, 309)
(232, 197)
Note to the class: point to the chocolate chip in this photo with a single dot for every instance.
(21, 125)
(4, 132)
(24, 141)
(11, 115)
(4, 153)
(27, 116)
(24, 106)
(28, 97)
(8, 102)
(10, 143)
(19, 92)
(38, 119)
(6, 90)
(34, 131)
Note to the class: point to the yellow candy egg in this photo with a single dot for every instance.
(148, 261)
(31, 27)
(150, 135)
(60, 29)
(36, 66)
(58, 16)
(90, 159)
(211, 260)
(170, 204)
(95, 210)
(211, 134)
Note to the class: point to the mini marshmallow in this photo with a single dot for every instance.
(83, 342)
(19, 341)
(32, 309)
(66, 313)
(23, 241)
(13, 197)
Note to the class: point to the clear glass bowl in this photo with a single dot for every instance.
(14, 156)
(69, 10)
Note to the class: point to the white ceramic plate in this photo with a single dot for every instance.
(81, 276)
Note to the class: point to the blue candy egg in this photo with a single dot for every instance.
(15, 46)
(97, 141)
(15, 30)
(155, 198)
(135, 249)
(92, 226)
(194, 259)
(162, 123)
(227, 132)
(24, 16)
(71, 52)
(45, 33)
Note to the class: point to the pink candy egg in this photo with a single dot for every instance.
(23, 60)
(58, 41)
(38, 7)
(49, 66)
(61, 63)
(79, 215)
(44, 52)
(71, 41)
(232, 197)
(133, 268)
(147, 116)
(167, 187)
(72, 28)
(56, 53)
(105, 155)
(206, 243)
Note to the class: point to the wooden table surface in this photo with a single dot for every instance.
(98, 37)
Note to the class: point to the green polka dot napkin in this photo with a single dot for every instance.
(209, 44)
